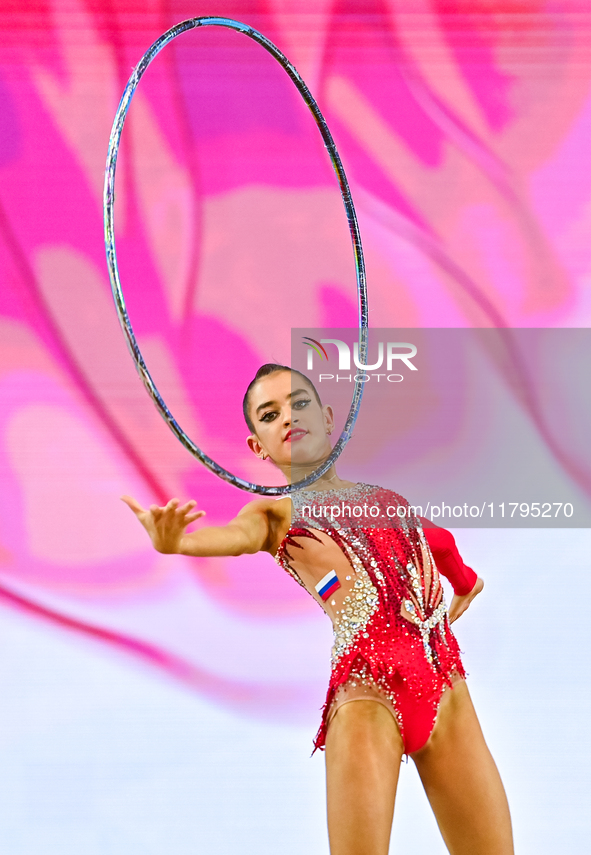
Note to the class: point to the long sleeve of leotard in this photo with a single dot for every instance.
(447, 558)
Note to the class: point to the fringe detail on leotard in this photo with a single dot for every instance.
(404, 643)
(428, 683)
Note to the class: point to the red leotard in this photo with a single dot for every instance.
(392, 640)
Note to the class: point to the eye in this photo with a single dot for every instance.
(268, 417)
(302, 401)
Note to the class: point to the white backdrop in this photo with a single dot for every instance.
(101, 755)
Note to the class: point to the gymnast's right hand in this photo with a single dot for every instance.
(165, 526)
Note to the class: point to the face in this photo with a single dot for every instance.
(290, 425)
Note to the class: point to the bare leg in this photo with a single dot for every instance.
(363, 753)
(462, 781)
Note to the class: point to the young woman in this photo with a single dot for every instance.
(397, 684)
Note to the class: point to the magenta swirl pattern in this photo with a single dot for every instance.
(464, 129)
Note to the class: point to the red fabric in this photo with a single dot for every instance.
(411, 668)
(449, 561)
(393, 652)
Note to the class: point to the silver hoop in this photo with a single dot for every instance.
(108, 204)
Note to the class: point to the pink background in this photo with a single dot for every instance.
(465, 131)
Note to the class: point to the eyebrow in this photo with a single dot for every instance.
(291, 395)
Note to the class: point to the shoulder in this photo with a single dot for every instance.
(270, 508)
(276, 514)
(265, 506)
(397, 507)
(387, 495)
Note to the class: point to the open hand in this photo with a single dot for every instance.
(459, 604)
(166, 526)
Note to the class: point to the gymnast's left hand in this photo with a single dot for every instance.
(459, 604)
(165, 525)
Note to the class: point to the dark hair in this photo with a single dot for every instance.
(264, 371)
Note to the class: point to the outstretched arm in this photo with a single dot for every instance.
(166, 526)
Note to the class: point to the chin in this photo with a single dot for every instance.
(308, 457)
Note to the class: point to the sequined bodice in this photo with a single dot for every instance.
(369, 539)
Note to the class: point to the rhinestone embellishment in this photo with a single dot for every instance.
(359, 606)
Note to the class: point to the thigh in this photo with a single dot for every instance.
(363, 753)
(462, 781)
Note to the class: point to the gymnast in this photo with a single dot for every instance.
(397, 683)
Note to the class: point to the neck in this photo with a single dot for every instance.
(329, 481)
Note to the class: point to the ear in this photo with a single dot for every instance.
(255, 446)
(328, 419)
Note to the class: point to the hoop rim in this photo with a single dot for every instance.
(109, 232)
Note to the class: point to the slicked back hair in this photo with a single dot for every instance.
(265, 371)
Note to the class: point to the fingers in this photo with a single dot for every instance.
(133, 505)
(460, 604)
(457, 608)
(172, 507)
(157, 511)
(184, 509)
(458, 612)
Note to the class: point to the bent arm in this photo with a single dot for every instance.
(449, 561)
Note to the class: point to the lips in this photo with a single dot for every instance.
(294, 435)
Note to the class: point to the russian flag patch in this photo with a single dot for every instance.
(328, 585)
